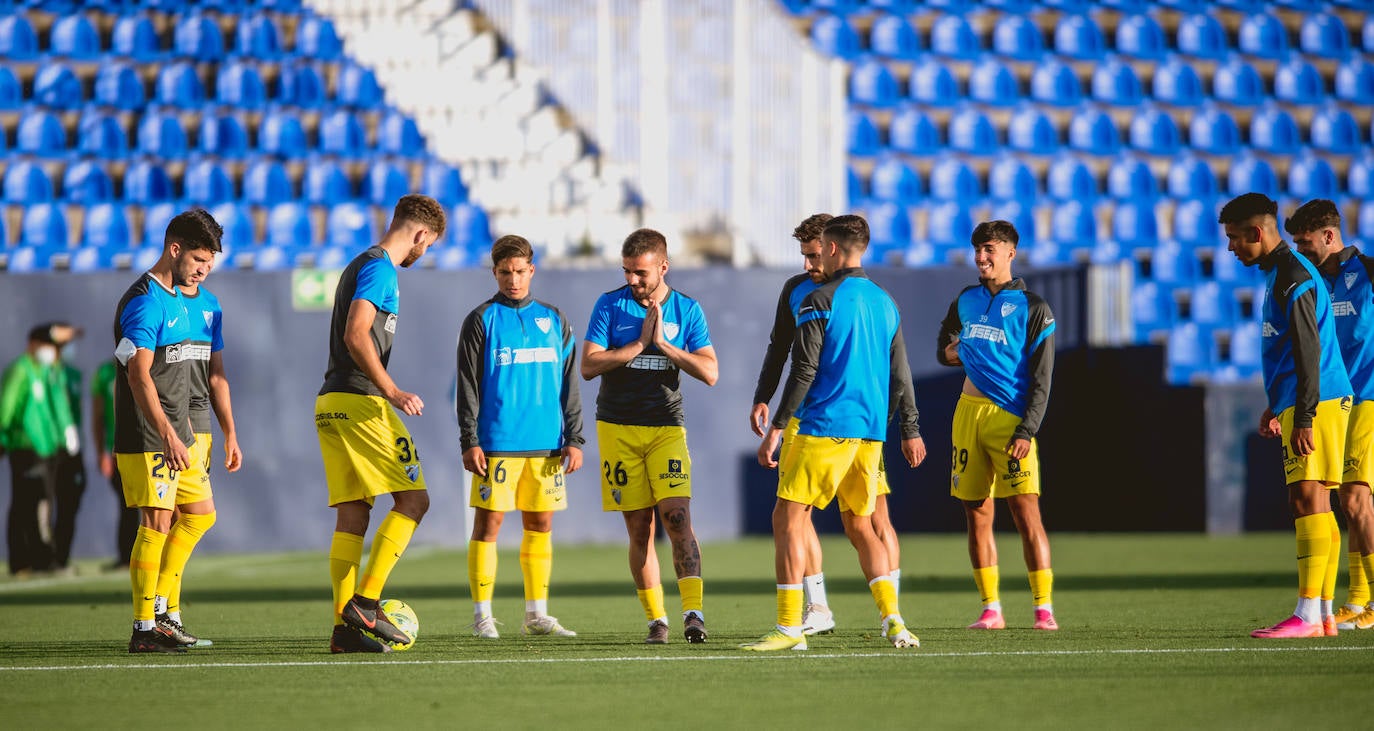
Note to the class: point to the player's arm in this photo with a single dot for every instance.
(1040, 330)
(597, 356)
(947, 343)
(472, 346)
(774, 358)
(140, 370)
(1302, 326)
(223, 405)
(700, 362)
(358, 339)
(572, 403)
(806, 357)
(902, 395)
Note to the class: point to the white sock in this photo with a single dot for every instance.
(663, 619)
(690, 612)
(1327, 607)
(789, 631)
(144, 625)
(174, 616)
(536, 608)
(159, 605)
(1354, 608)
(1308, 610)
(896, 575)
(814, 589)
(481, 609)
(1047, 607)
(994, 606)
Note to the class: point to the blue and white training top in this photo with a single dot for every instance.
(370, 276)
(206, 318)
(153, 317)
(1352, 301)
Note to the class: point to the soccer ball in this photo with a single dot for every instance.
(405, 620)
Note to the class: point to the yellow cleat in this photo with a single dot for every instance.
(1366, 618)
(776, 640)
(1345, 616)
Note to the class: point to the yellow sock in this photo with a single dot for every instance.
(144, 561)
(345, 553)
(690, 590)
(1367, 561)
(1333, 558)
(1314, 545)
(885, 595)
(1359, 580)
(987, 579)
(481, 570)
(1042, 586)
(181, 541)
(387, 546)
(790, 605)
(652, 601)
(536, 563)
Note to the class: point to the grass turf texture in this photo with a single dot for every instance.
(1154, 634)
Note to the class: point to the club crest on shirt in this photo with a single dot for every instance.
(209, 318)
(1008, 308)
(543, 323)
(670, 330)
(1350, 278)
(391, 323)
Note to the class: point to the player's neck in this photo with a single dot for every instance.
(162, 272)
(995, 287)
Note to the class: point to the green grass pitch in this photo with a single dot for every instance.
(1154, 635)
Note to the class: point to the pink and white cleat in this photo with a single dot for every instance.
(990, 619)
(1329, 626)
(1044, 619)
(1293, 627)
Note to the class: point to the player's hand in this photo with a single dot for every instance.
(475, 461)
(952, 353)
(233, 456)
(572, 459)
(758, 419)
(1269, 426)
(177, 456)
(1018, 447)
(1304, 442)
(914, 450)
(106, 462)
(769, 447)
(408, 403)
(648, 332)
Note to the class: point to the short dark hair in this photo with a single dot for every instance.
(194, 229)
(998, 230)
(1245, 207)
(811, 228)
(645, 241)
(511, 246)
(420, 209)
(850, 232)
(1313, 215)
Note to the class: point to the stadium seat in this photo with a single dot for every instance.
(11, 91)
(951, 179)
(280, 133)
(1021, 214)
(952, 36)
(86, 182)
(1226, 268)
(341, 133)
(1195, 224)
(1310, 176)
(41, 133)
(1093, 131)
(326, 183)
(1211, 303)
(948, 225)
(160, 133)
(399, 135)
(913, 131)
(1274, 130)
(256, 36)
(301, 85)
(26, 183)
(240, 85)
(1079, 37)
(872, 83)
(1246, 346)
(1018, 37)
(350, 225)
(106, 225)
(933, 84)
(1115, 82)
(1324, 35)
(18, 39)
(1335, 130)
(178, 85)
(1140, 36)
(1297, 81)
(1359, 180)
(855, 191)
(1214, 131)
(223, 135)
(863, 134)
(147, 182)
(288, 225)
(1201, 35)
(1355, 80)
(1367, 33)
(101, 135)
(44, 225)
(1150, 312)
(1171, 263)
(834, 36)
(265, 183)
(1130, 179)
(892, 37)
(1190, 177)
(1237, 82)
(1031, 130)
(443, 183)
(358, 87)
(1249, 173)
(972, 132)
(1007, 7)
(155, 219)
(1069, 178)
(893, 180)
(383, 183)
(1134, 224)
(74, 36)
(135, 37)
(207, 183)
(1054, 82)
(889, 225)
(1154, 132)
(1073, 224)
(1010, 179)
(472, 231)
(1189, 352)
(317, 38)
(57, 86)
(1262, 35)
(197, 36)
(118, 85)
(1364, 221)
(1175, 82)
(991, 82)
(237, 222)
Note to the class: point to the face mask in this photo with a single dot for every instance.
(46, 355)
(69, 352)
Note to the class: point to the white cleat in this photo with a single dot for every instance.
(898, 634)
(546, 625)
(485, 628)
(818, 620)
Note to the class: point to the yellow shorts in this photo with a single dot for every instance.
(1326, 462)
(193, 485)
(366, 448)
(642, 465)
(816, 470)
(981, 465)
(1359, 444)
(147, 480)
(531, 484)
(794, 424)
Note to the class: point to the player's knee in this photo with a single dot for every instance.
(412, 503)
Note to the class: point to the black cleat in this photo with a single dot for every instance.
(348, 639)
(658, 633)
(153, 640)
(176, 631)
(694, 628)
(364, 614)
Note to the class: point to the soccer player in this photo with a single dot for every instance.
(366, 448)
(640, 340)
(520, 416)
(1309, 399)
(817, 617)
(152, 405)
(195, 504)
(848, 360)
(1003, 336)
(1316, 231)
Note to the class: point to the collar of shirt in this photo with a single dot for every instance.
(502, 299)
(1270, 260)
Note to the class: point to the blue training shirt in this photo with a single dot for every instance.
(1352, 302)
(781, 337)
(152, 317)
(1299, 356)
(370, 276)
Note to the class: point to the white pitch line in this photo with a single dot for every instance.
(698, 658)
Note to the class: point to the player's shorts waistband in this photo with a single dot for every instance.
(978, 400)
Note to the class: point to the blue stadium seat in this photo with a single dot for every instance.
(1191, 177)
(280, 133)
(57, 86)
(240, 85)
(237, 222)
(1140, 36)
(472, 231)
(952, 36)
(1367, 33)
(892, 37)
(893, 180)
(1021, 214)
(256, 36)
(106, 225)
(913, 131)
(288, 225)
(443, 183)
(1134, 224)
(1274, 130)
(1355, 80)
(358, 87)
(951, 179)
(198, 37)
(317, 38)
(1130, 179)
(18, 39)
(1031, 130)
(1069, 178)
(26, 183)
(265, 183)
(41, 133)
(350, 225)
(74, 36)
(1195, 224)
(1246, 347)
(1212, 303)
(1010, 6)
(87, 182)
(118, 85)
(1189, 352)
(1226, 268)
(326, 183)
(872, 83)
(889, 227)
(1359, 180)
(834, 36)
(1214, 131)
(383, 183)
(301, 85)
(1010, 179)
(1175, 82)
(1115, 82)
(1310, 176)
(44, 225)
(1073, 224)
(397, 134)
(933, 84)
(135, 37)
(948, 225)
(223, 135)
(1252, 174)
(1364, 221)
(864, 139)
(207, 183)
(11, 91)
(1079, 37)
(160, 133)
(1201, 35)
(1325, 35)
(147, 182)
(1018, 37)
(341, 133)
(1237, 82)
(1093, 131)
(178, 85)
(1150, 311)
(1263, 35)
(1297, 81)
(1171, 263)
(900, 7)
(101, 135)
(1054, 82)
(1334, 129)
(1154, 132)
(855, 192)
(155, 219)
(992, 82)
(972, 132)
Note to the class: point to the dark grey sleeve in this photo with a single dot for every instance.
(806, 357)
(950, 328)
(472, 341)
(903, 391)
(1041, 367)
(572, 390)
(779, 341)
(1307, 356)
